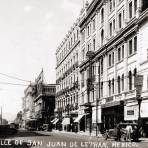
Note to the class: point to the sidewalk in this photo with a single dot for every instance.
(145, 140)
(93, 134)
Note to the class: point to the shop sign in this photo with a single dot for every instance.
(131, 112)
(138, 84)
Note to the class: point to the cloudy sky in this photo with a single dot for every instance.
(30, 31)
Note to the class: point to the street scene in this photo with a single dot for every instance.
(82, 78)
(28, 139)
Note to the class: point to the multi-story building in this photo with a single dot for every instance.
(38, 103)
(67, 77)
(44, 103)
(28, 104)
(116, 33)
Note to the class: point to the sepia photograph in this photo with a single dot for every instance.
(74, 73)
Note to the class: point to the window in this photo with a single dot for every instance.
(135, 43)
(119, 89)
(109, 86)
(113, 25)
(109, 61)
(130, 47)
(94, 24)
(102, 37)
(101, 89)
(83, 54)
(82, 83)
(113, 58)
(102, 66)
(74, 37)
(82, 98)
(130, 10)
(123, 82)
(110, 4)
(122, 51)
(119, 54)
(94, 44)
(102, 15)
(110, 26)
(120, 20)
(113, 86)
(88, 47)
(83, 36)
(130, 80)
(135, 6)
(88, 33)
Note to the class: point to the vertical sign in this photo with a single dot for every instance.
(138, 85)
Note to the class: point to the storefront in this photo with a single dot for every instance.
(66, 124)
(96, 118)
(112, 114)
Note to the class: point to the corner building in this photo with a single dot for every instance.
(67, 79)
(116, 32)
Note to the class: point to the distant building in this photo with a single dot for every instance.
(38, 103)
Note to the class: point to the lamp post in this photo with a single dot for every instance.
(90, 55)
(138, 85)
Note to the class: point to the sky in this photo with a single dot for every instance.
(30, 32)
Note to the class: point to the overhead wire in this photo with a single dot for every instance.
(13, 77)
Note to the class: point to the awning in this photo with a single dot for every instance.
(53, 120)
(56, 121)
(79, 118)
(66, 121)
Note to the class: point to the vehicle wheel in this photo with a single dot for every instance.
(105, 136)
(123, 137)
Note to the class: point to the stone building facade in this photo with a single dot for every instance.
(115, 31)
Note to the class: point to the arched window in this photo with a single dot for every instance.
(122, 82)
(102, 15)
(135, 74)
(119, 89)
(109, 87)
(102, 37)
(113, 85)
(130, 80)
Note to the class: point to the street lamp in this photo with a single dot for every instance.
(90, 86)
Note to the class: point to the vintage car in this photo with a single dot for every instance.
(112, 133)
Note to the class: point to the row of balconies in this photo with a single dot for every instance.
(74, 86)
(68, 108)
(69, 71)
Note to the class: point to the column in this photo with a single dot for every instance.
(105, 78)
(115, 71)
(97, 30)
(125, 66)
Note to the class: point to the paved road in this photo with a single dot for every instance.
(25, 139)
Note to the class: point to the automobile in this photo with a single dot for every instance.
(112, 133)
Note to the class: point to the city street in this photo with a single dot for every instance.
(29, 139)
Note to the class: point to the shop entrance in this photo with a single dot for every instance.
(111, 116)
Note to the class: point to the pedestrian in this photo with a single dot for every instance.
(118, 132)
(129, 131)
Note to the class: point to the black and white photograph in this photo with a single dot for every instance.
(73, 73)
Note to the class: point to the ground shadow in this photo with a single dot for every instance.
(23, 134)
